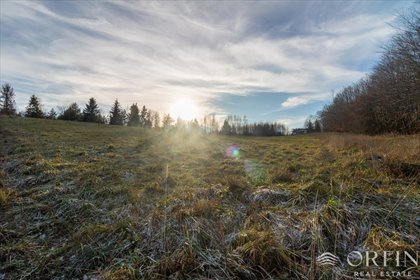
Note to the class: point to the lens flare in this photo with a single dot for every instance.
(233, 151)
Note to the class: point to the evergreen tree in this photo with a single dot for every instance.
(156, 120)
(226, 129)
(143, 116)
(52, 115)
(7, 102)
(134, 117)
(92, 113)
(148, 121)
(309, 125)
(33, 110)
(116, 115)
(167, 121)
(72, 113)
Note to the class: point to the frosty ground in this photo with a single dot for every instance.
(97, 201)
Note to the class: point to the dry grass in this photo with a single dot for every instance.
(391, 147)
(93, 201)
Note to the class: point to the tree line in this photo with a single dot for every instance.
(144, 117)
(388, 99)
(90, 113)
(311, 125)
(238, 125)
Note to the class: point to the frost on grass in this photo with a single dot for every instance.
(105, 209)
(270, 196)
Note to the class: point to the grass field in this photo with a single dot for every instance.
(81, 200)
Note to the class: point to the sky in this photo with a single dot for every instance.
(269, 60)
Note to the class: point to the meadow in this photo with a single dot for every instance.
(92, 201)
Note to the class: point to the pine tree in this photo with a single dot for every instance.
(33, 110)
(167, 121)
(92, 113)
(309, 125)
(226, 129)
(143, 116)
(117, 115)
(52, 115)
(156, 119)
(7, 103)
(133, 116)
(148, 121)
(72, 113)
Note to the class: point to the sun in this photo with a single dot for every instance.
(184, 109)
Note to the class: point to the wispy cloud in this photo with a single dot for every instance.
(303, 99)
(294, 101)
(156, 52)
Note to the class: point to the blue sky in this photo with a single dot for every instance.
(275, 61)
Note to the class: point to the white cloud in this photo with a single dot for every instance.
(294, 101)
(156, 52)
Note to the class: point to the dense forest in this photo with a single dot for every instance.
(388, 99)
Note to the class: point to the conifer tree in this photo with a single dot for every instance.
(226, 129)
(156, 119)
(52, 115)
(309, 125)
(33, 110)
(91, 113)
(143, 116)
(116, 115)
(133, 116)
(167, 121)
(72, 113)
(7, 103)
(148, 121)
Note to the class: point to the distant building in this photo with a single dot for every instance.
(299, 131)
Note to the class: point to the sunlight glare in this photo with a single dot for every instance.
(185, 109)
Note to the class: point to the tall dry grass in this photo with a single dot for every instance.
(392, 147)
